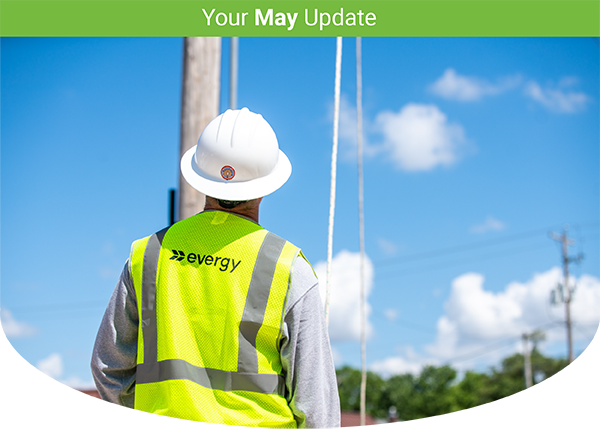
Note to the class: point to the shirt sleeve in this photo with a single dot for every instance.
(306, 354)
(115, 350)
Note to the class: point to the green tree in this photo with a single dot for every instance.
(436, 391)
(433, 391)
(427, 395)
(473, 390)
(349, 388)
(348, 380)
(400, 393)
(509, 378)
(544, 367)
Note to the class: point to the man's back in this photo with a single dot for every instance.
(213, 321)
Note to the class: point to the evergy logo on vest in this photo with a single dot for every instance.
(217, 261)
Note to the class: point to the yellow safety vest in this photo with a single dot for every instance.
(211, 293)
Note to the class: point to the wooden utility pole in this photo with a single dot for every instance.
(527, 363)
(535, 337)
(564, 292)
(200, 98)
(233, 72)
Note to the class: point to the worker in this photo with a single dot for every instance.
(216, 319)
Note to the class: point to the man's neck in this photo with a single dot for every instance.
(251, 214)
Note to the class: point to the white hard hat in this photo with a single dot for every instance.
(237, 158)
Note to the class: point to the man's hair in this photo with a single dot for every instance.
(230, 204)
(226, 204)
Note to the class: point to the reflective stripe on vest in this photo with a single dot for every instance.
(149, 294)
(176, 369)
(247, 377)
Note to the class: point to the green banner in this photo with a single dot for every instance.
(300, 18)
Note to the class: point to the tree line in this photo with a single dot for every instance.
(436, 390)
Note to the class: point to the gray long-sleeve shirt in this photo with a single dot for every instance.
(305, 354)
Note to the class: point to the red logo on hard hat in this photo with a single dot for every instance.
(227, 172)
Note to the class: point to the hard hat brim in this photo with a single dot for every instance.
(231, 190)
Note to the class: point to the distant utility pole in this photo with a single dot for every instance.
(200, 98)
(535, 337)
(564, 292)
(527, 364)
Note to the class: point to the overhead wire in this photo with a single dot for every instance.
(408, 324)
(458, 248)
(336, 120)
(361, 222)
(480, 258)
(462, 248)
(486, 349)
(57, 307)
(465, 247)
(583, 331)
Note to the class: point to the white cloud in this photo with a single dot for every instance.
(388, 247)
(490, 224)
(338, 358)
(586, 301)
(453, 86)
(559, 99)
(344, 302)
(390, 314)
(348, 132)
(408, 361)
(108, 273)
(108, 248)
(51, 365)
(46, 390)
(475, 316)
(476, 321)
(419, 137)
(13, 328)
(396, 365)
(78, 383)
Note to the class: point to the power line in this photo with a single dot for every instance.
(480, 258)
(46, 318)
(407, 324)
(460, 248)
(424, 255)
(58, 307)
(432, 267)
(363, 317)
(465, 247)
(584, 332)
(486, 349)
(505, 343)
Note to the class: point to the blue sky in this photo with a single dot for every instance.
(475, 149)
